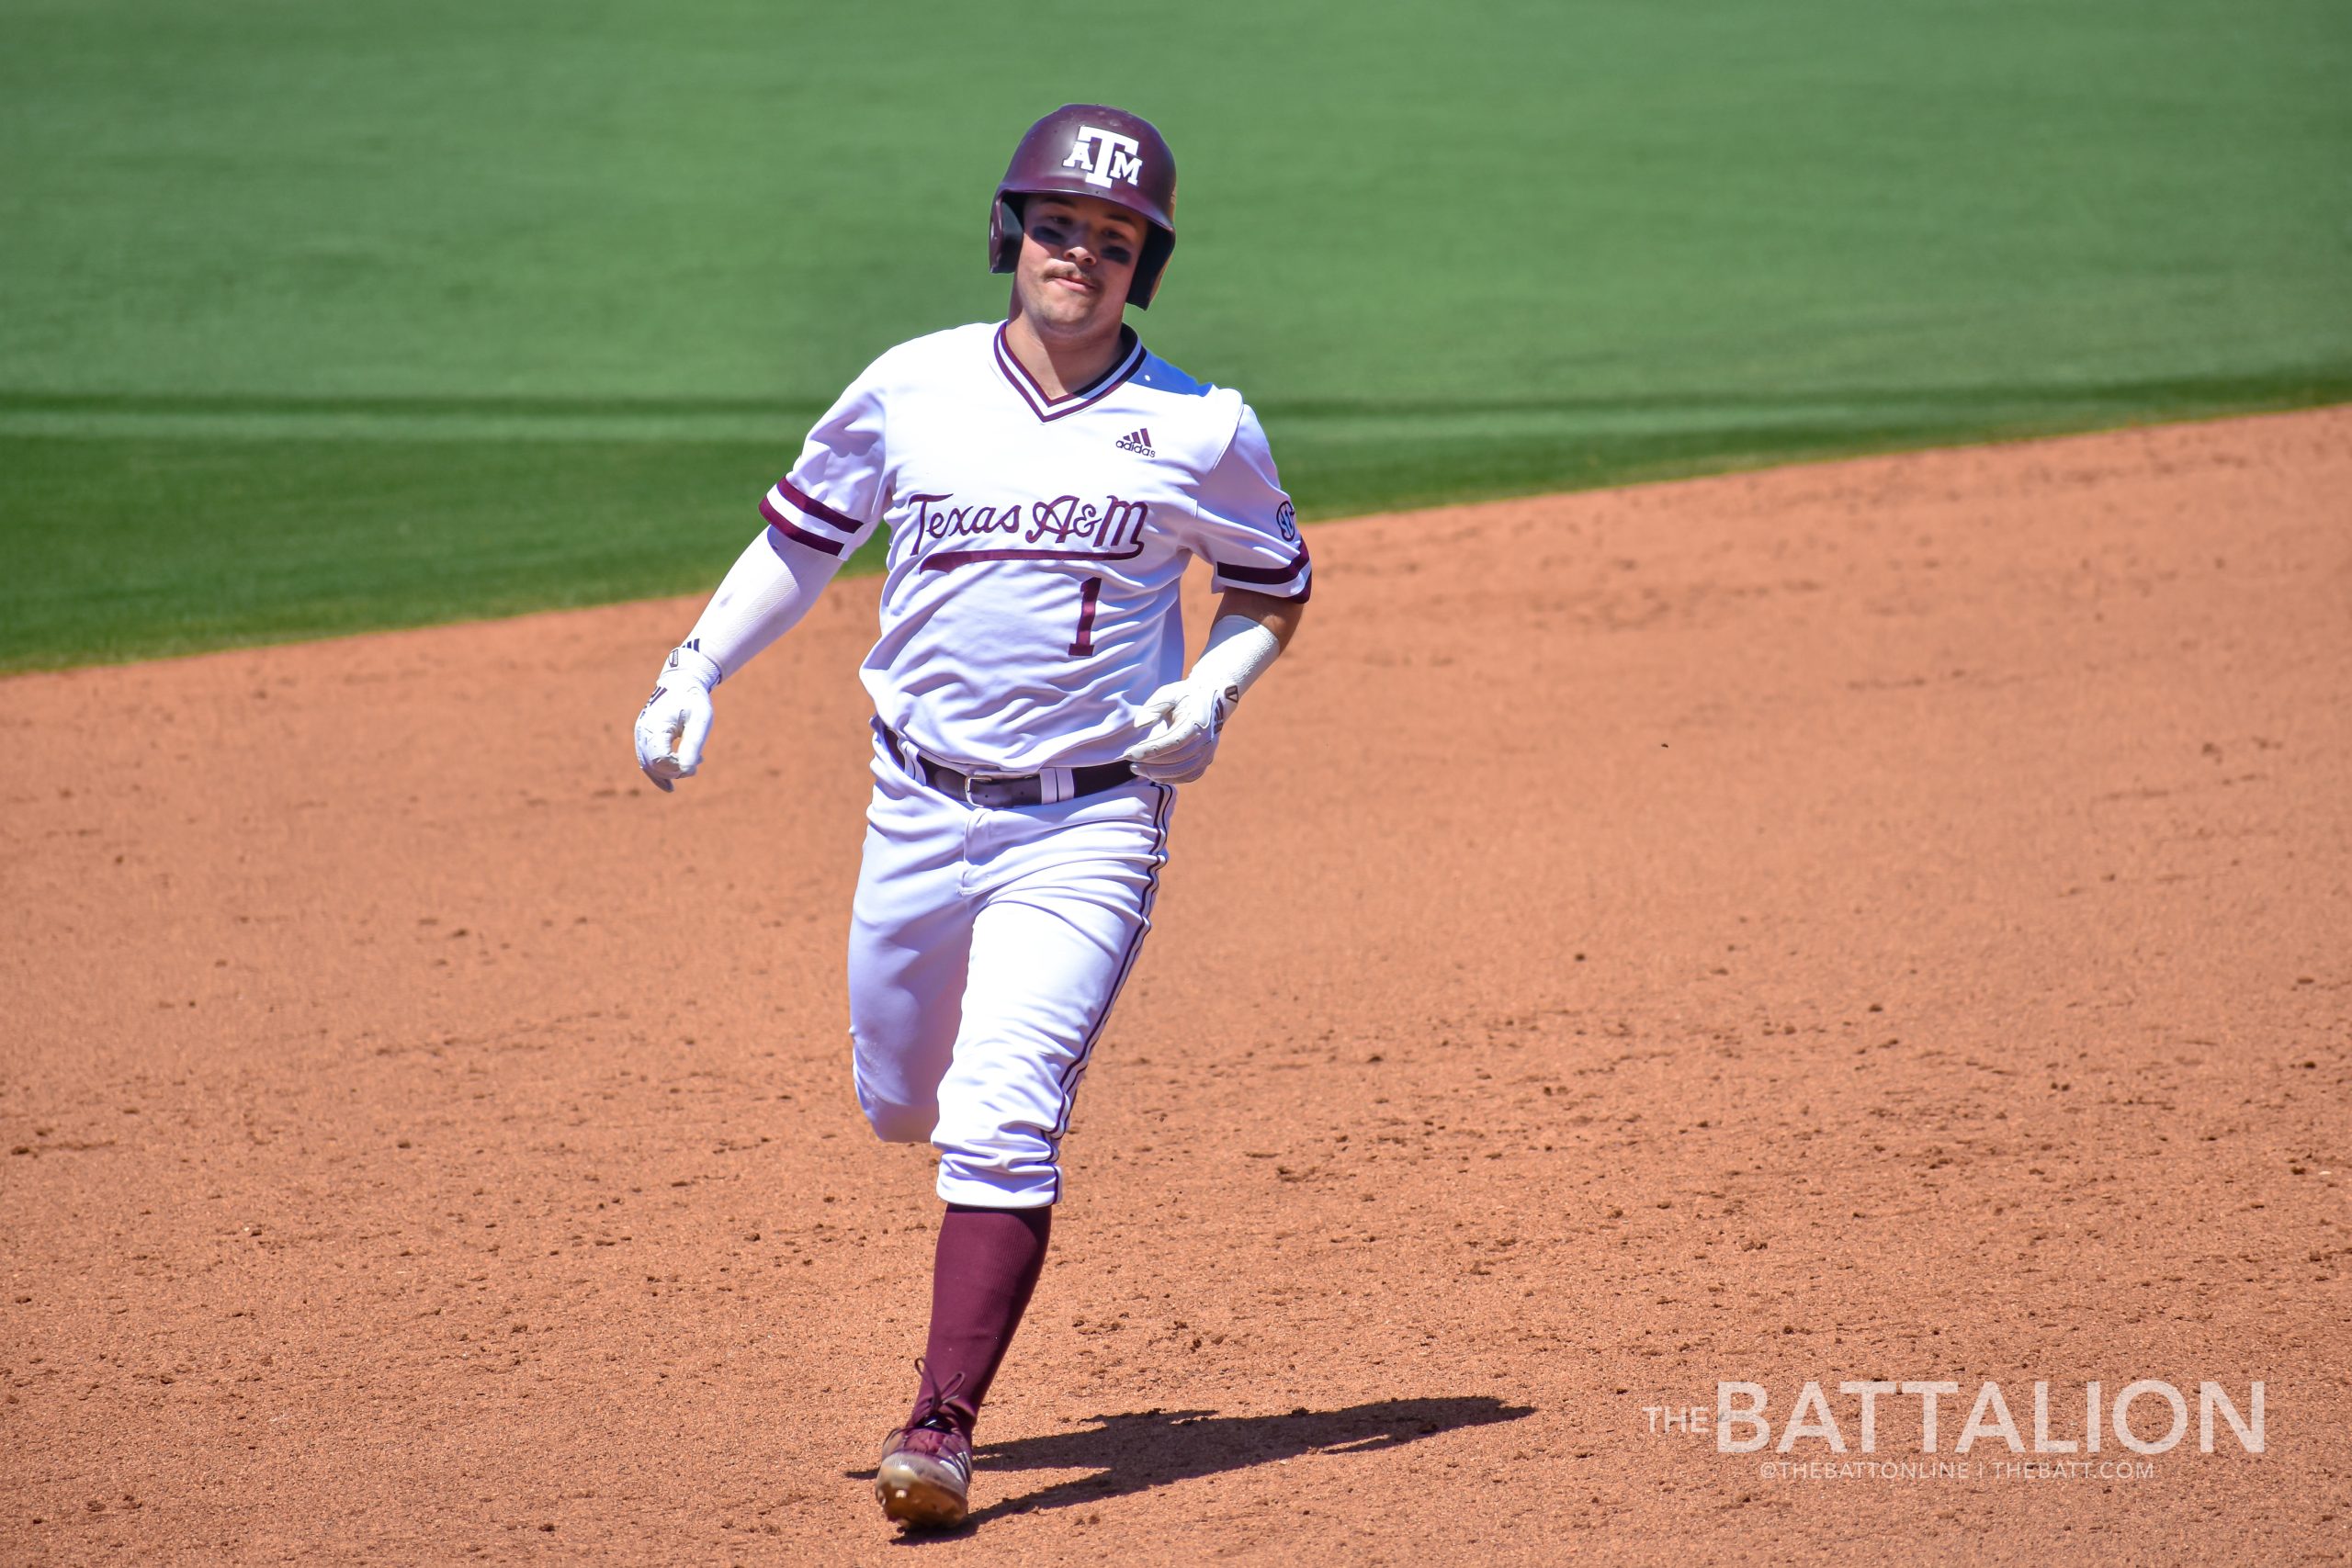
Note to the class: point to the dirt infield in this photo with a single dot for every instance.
(1889, 920)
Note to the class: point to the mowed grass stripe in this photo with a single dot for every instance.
(101, 413)
(187, 545)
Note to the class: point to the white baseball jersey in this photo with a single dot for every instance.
(1030, 605)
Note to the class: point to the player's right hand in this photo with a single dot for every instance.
(675, 720)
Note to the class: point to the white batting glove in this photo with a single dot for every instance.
(675, 720)
(1185, 717)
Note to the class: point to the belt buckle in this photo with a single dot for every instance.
(971, 781)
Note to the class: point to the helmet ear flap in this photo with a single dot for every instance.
(1158, 245)
(1004, 233)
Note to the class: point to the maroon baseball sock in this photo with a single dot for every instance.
(986, 1267)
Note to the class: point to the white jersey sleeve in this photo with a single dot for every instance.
(1243, 525)
(838, 489)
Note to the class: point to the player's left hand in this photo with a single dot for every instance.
(1184, 721)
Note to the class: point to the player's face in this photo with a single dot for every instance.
(1078, 255)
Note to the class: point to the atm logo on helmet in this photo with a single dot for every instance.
(1105, 155)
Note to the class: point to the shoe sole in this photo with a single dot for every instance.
(917, 1490)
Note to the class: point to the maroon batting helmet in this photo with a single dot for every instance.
(1093, 150)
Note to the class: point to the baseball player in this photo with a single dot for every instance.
(1045, 480)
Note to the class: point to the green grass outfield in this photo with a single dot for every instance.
(315, 318)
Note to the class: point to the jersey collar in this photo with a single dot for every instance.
(1130, 359)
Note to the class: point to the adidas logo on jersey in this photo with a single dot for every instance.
(1137, 441)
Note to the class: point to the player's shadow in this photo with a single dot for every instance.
(1156, 1448)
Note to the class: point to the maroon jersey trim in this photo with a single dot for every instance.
(1046, 408)
(1262, 573)
(817, 509)
(791, 530)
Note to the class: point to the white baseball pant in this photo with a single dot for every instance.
(986, 949)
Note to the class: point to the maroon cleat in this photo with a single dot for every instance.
(925, 1478)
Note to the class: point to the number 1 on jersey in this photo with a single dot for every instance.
(1084, 643)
